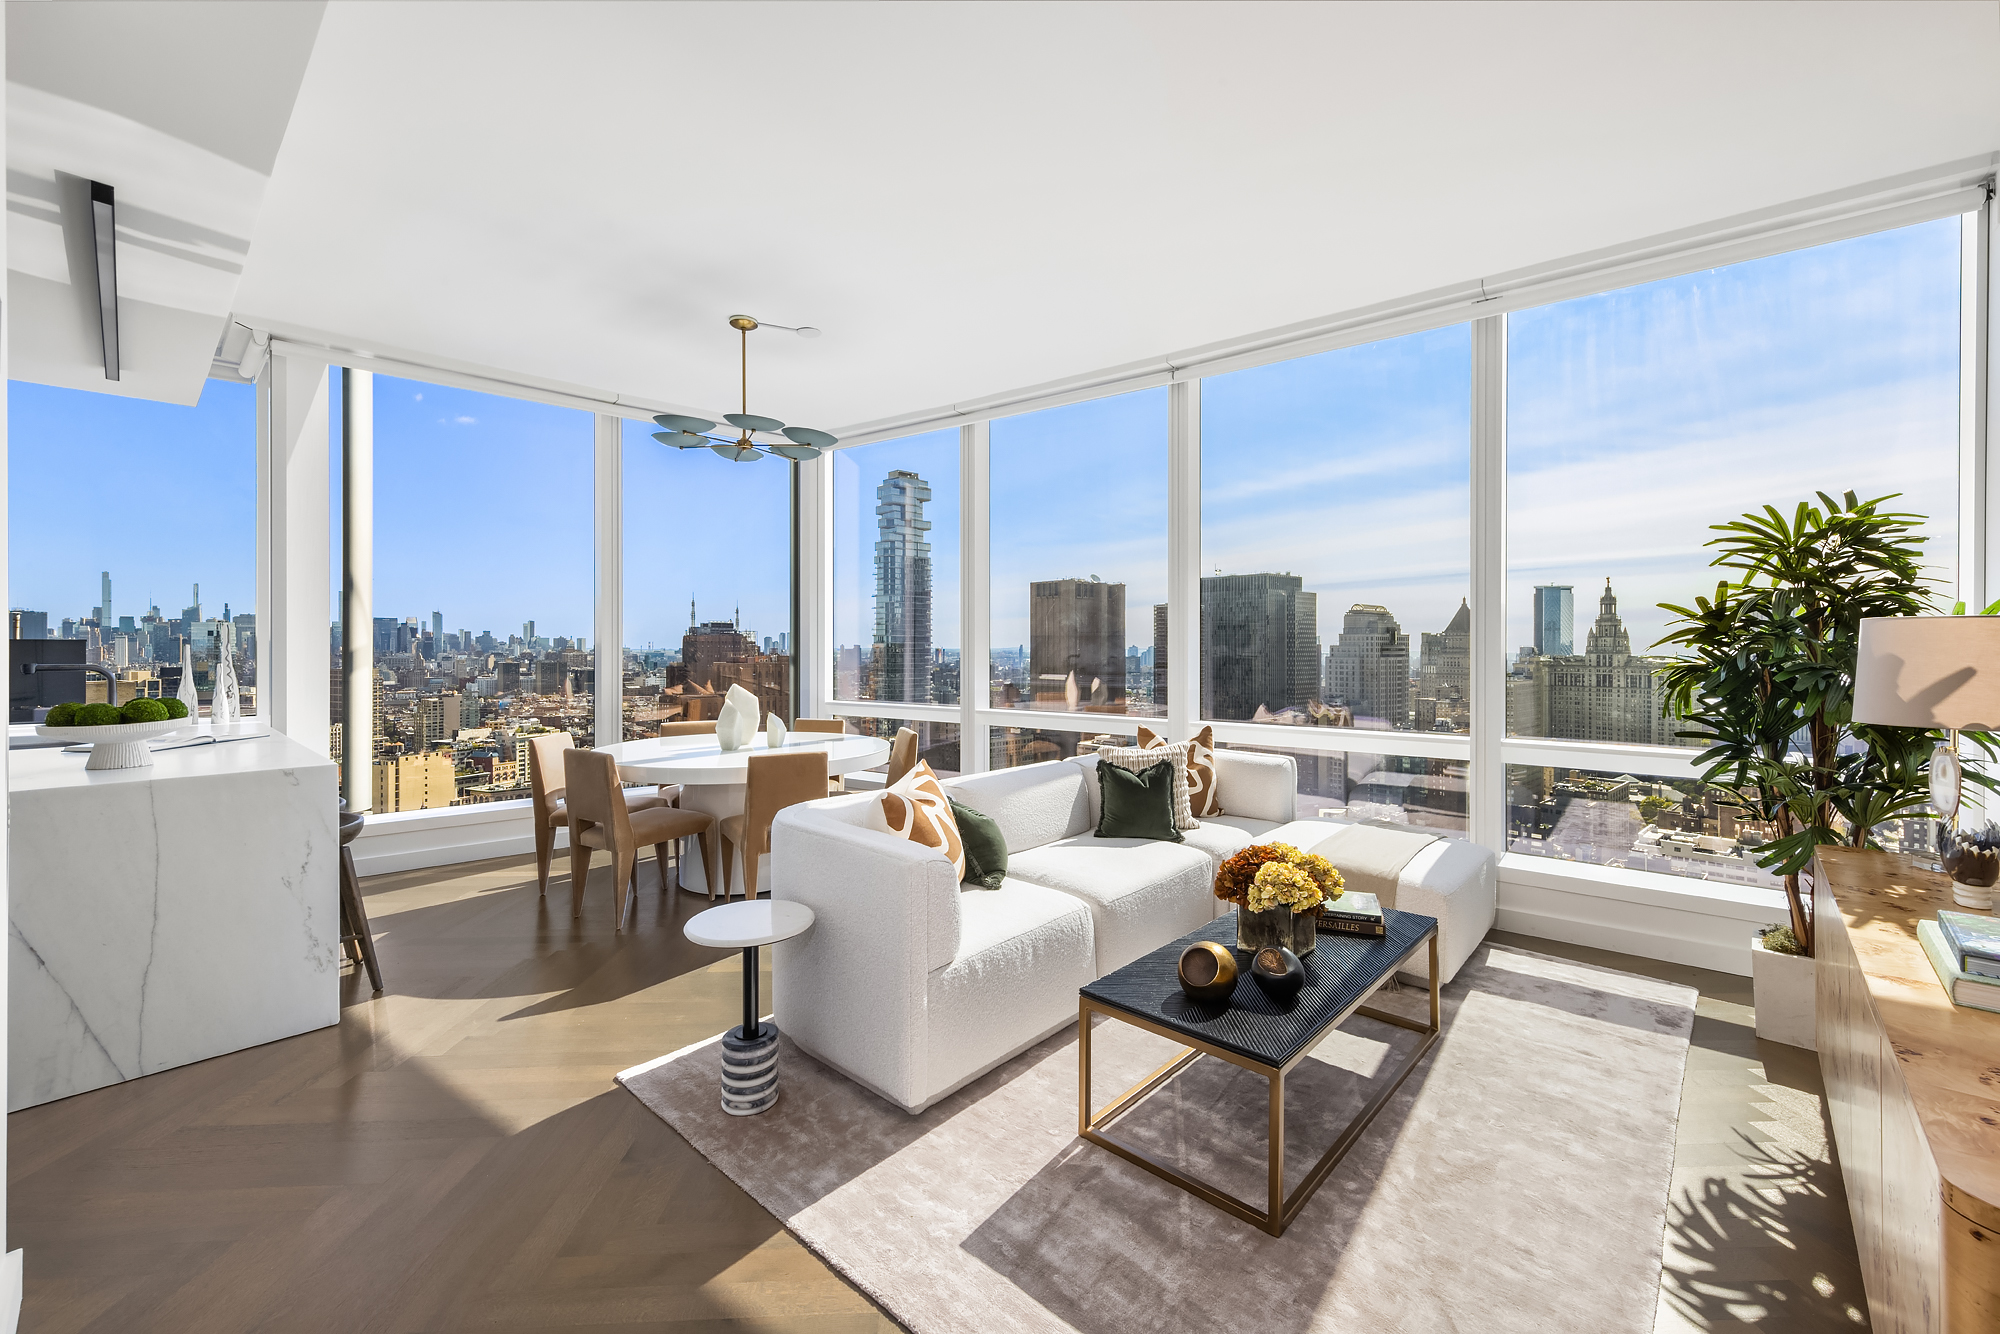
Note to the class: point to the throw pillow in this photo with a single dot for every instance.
(916, 808)
(1138, 803)
(1132, 758)
(1202, 796)
(985, 846)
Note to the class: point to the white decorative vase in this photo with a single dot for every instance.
(737, 722)
(1783, 994)
(774, 732)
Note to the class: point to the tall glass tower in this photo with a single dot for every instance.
(899, 665)
(1555, 620)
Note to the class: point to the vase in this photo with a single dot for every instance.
(1276, 926)
(1973, 871)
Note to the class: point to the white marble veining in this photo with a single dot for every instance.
(164, 915)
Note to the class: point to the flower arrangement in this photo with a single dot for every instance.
(1271, 875)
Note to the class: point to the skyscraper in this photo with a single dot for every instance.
(1259, 644)
(1555, 620)
(899, 661)
(1445, 680)
(1076, 643)
(1604, 694)
(105, 617)
(1160, 656)
(1368, 670)
(437, 626)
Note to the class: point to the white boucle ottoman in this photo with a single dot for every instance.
(1452, 879)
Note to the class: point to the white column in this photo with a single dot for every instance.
(1979, 507)
(1487, 793)
(1183, 558)
(293, 689)
(975, 591)
(10, 1267)
(357, 603)
(608, 628)
(814, 635)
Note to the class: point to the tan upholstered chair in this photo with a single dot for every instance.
(833, 785)
(902, 755)
(696, 728)
(600, 821)
(545, 788)
(777, 779)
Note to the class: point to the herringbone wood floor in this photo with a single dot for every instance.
(453, 1155)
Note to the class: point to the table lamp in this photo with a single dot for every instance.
(1931, 671)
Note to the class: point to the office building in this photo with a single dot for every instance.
(414, 782)
(1555, 620)
(899, 658)
(1606, 693)
(1368, 667)
(1259, 642)
(23, 624)
(1076, 644)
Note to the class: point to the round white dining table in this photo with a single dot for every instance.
(713, 780)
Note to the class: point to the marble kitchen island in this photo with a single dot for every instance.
(164, 915)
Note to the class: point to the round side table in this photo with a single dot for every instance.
(749, 1053)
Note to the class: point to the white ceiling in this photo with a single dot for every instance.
(972, 198)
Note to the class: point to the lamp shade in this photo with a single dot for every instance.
(1929, 671)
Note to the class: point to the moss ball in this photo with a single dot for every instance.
(175, 709)
(97, 715)
(144, 711)
(62, 715)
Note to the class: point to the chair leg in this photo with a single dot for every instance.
(728, 868)
(750, 859)
(661, 852)
(545, 846)
(579, 874)
(624, 864)
(711, 857)
(357, 913)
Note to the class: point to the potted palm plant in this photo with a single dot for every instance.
(1766, 679)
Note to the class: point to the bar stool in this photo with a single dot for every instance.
(354, 932)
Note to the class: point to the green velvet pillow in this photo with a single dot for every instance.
(985, 849)
(1137, 803)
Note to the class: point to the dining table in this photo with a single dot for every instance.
(713, 780)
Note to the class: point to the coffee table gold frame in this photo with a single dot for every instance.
(1279, 1210)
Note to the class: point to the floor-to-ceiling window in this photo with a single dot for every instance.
(708, 594)
(1078, 564)
(483, 603)
(133, 531)
(1636, 420)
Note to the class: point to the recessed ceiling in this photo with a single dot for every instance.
(972, 198)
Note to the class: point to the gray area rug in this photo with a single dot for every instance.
(1517, 1181)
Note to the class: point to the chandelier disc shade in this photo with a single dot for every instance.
(685, 432)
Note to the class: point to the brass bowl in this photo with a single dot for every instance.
(1207, 971)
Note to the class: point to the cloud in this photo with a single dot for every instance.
(466, 421)
(418, 397)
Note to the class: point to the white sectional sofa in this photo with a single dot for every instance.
(913, 987)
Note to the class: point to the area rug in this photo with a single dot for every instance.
(1517, 1181)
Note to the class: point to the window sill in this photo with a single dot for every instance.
(1698, 922)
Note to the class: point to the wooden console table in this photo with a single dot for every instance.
(1913, 1091)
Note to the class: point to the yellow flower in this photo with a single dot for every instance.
(1279, 883)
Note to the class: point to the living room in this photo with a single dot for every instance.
(1207, 645)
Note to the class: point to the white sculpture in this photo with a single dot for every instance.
(186, 694)
(225, 703)
(737, 722)
(774, 732)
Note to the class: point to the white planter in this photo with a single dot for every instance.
(1784, 995)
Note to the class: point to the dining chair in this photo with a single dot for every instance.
(775, 780)
(696, 728)
(599, 821)
(833, 785)
(902, 755)
(545, 789)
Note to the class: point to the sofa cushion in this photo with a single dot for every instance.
(1033, 805)
(1141, 894)
(1023, 951)
(1138, 803)
(1223, 836)
(916, 808)
(1137, 759)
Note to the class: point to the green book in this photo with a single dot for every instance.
(1353, 906)
(1964, 988)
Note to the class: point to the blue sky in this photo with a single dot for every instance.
(1636, 419)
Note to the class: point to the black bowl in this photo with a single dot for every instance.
(1278, 971)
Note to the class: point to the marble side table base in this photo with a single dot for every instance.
(749, 1053)
(750, 1071)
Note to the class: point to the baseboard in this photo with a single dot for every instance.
(10, 1292)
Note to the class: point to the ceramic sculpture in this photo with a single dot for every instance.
(774, 732)
(737, 722)
(186, 694)
(225, 701)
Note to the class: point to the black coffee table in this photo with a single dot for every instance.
(1251, 1030)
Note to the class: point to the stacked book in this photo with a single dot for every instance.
(1965, 951)
(1352, 914)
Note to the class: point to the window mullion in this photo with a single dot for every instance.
(1487, 786)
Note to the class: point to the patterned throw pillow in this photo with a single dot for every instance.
(1136, 759)
(1202, 797)
(916, 808)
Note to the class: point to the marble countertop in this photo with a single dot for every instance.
(241, 748)
(1947, 1052)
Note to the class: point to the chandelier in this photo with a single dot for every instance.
(684, 432)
